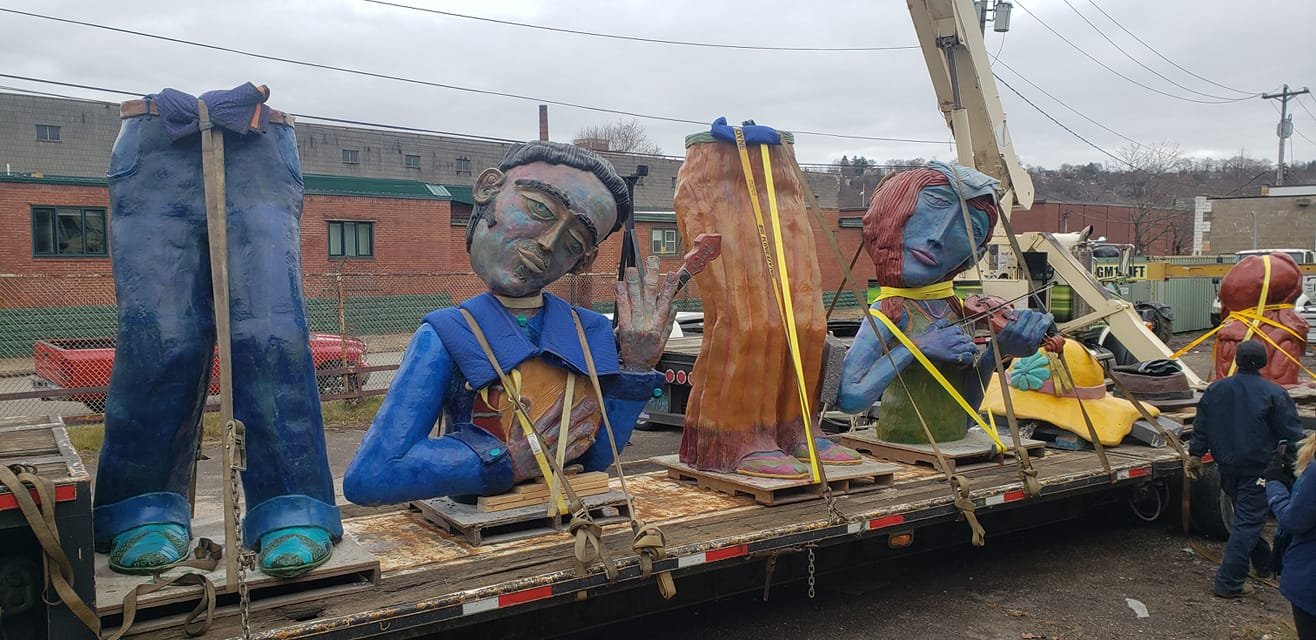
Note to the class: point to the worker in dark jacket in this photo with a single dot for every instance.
(1240, 421)
(1294, 505)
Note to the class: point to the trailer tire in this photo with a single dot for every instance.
(1212, 512)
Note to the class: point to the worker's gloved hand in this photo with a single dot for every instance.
(1280, 468)
(1194, 469)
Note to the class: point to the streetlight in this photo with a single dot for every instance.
(999, 11)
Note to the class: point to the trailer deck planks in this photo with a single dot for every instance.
(433, 581)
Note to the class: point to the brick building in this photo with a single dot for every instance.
(1285, 218)
(1114, 221)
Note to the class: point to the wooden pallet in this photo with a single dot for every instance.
(350, 567)
(537, 493)
(866, 476)
(491, 527)
(976, 447)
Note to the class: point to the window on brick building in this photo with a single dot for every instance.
(664, 242)
(462, 166)
(351, 239)
(673, 183)
(350, 156)
(47, 133)
(69, 232)
(411, 162)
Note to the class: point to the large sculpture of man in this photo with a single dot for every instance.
(915, 232)
(165, 345)
(538, 216)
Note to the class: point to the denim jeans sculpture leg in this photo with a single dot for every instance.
(166, 338)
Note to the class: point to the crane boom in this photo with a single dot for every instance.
(967, 96)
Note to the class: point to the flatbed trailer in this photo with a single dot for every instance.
(432, 581)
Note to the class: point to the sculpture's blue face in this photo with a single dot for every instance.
(542, 215)
(937, 245)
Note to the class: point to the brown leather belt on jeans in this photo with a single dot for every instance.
(134, 108)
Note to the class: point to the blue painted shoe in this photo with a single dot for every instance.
(292, 551)
(149, 548)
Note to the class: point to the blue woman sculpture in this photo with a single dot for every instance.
(915, 232)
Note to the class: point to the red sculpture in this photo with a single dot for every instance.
(1240, 294)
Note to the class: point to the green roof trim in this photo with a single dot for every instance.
(461, 193)
(44, 179)
(655, 216)
(321, 184)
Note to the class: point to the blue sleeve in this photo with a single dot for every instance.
(1284, 418)
(404, 422)
(624, 397)
(1295, 512)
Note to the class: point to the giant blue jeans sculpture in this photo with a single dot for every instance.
(166, 344)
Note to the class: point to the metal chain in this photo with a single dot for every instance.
(246, 559)
(812, 580)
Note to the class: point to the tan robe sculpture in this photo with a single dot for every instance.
(744, 392)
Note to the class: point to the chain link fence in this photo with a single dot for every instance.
(57, 331)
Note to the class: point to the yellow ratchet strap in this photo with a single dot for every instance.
(1254, 318)
(931, 292)
(512, 387)
(936, 375)
(781, 285)
(1261, 306)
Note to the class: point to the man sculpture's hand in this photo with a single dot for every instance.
(644, 316)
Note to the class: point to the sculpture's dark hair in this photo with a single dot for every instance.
(571, 156)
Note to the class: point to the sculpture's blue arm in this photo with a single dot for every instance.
(866, 370)
(395, 458)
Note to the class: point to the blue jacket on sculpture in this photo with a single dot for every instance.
(166, 339)
(538, 216)
(398, 461)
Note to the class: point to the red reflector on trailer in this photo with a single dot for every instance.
(726, 552)
(522, 597)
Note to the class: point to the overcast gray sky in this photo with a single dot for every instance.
(1252, 46)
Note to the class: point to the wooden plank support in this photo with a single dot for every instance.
(866, 476)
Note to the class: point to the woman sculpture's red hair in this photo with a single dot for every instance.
(892, 205)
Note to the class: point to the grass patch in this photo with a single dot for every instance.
(89, 438)
(344, 413)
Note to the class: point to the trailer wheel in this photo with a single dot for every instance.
(1212, 512)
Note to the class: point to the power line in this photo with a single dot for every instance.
(1117, 73)
(613, 36)
(1075, 111)
(1161, 56)
(404, 128)
(440, 85)
(1061, 124)
(1144, 66)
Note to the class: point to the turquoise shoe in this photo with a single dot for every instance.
(292, 551)
(149, 548)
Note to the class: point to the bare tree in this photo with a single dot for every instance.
(1153, 183)
(625, 136)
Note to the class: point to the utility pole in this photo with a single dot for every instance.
(1285, 128)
